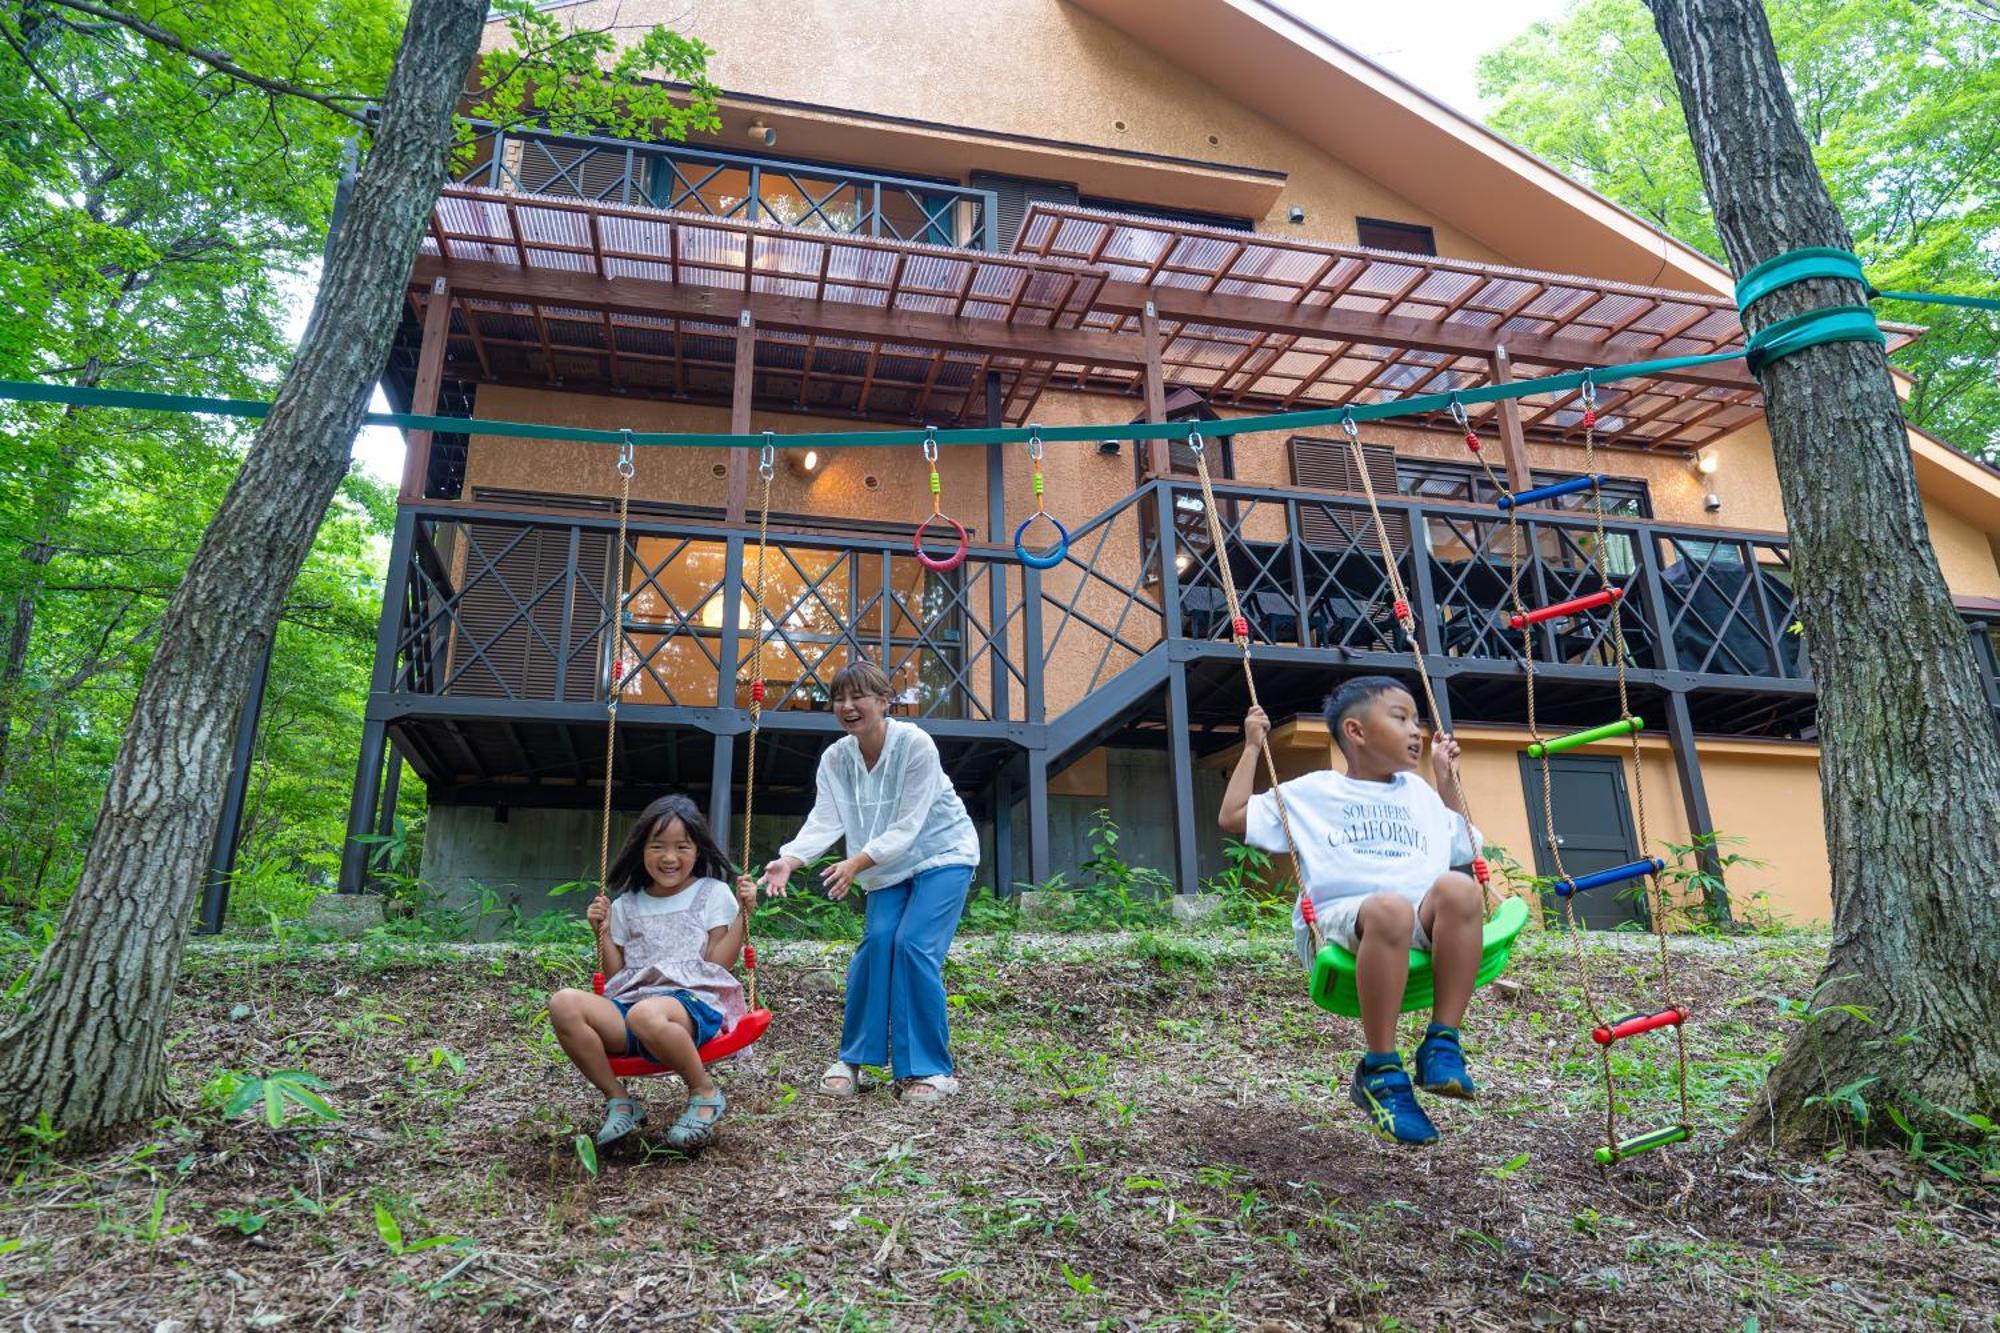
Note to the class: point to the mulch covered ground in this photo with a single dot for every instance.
(1154, 1134)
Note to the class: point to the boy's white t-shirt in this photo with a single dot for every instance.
(1358, 838)
(627, 908)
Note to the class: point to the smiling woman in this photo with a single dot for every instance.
(912, 850)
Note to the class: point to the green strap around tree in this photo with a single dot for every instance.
(1835, 324)
(1846, 323)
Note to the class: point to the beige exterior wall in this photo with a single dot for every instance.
(1024, 69)
(1763, 793)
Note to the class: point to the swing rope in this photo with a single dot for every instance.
(1239, 629)
(626, 467)
(766, 466)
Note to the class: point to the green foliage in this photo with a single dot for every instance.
(1248, 897)
(278, 1093)
(1900, 102)
(159, 217)
(553, 73)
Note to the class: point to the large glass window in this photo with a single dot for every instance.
(819, 602)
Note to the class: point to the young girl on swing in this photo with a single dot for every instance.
(912, 851)
(668, 931)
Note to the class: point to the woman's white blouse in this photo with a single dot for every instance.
(902, 812)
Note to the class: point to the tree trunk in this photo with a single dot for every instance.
(1909, 766)
(86, 1049)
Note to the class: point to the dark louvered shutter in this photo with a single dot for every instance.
(1328, 465)
(577, 170)
(501, 653)
(1015, 194)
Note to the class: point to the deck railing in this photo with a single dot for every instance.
(511, 605)
(735, 185)
(498, 604)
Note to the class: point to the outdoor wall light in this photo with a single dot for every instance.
(1704, 463)
(805, 464)
(1297, 214)
(760, 133)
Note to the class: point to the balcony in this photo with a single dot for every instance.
(499, 662)
(719, 184)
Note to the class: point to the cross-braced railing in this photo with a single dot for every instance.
(505, 605)
(734, 185)
(502, 605)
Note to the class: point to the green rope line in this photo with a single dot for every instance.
(71, 395)
(1834, 324)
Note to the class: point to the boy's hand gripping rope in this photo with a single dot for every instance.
(936, 564)
(1056, 554)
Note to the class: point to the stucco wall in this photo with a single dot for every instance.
(1036, 69)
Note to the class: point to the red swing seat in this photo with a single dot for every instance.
(748, 1028)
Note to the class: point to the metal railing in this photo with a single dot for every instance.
(503, 605)
(735, 185)
(1311, 572)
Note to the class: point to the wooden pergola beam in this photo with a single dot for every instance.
(718, 305)
(424, 396)
(1180, 305)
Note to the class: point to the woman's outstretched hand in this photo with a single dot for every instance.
(776, 875)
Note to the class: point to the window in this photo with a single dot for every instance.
(1328, 465)
(1407, 237)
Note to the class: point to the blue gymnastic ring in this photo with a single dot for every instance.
(1054, 556)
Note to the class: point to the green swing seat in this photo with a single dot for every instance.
(1333, 987)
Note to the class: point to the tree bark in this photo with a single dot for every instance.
(86, 1048)
(1909, 765)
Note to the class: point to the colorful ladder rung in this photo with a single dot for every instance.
(1550, 492)
(1624, 726)
(1633, 1024)
(1639, 1143)
(1556, 611)
(1651, 865)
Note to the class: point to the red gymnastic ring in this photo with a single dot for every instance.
(950, 562)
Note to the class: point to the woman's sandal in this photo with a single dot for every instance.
(930, 1089)
(694, 1130)
(841, 1072)
(622, 1115)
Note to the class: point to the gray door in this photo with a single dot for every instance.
(1594, 825)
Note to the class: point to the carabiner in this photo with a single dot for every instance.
(626, 467)
(1458, 412)
(767, 457)
(1035, 443)
(1194, 442)
(930, 444)
(1587, 390)
(1347, 424)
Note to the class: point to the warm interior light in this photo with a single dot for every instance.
(711, 613)
(1182, 561)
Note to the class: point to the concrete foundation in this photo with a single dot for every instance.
(520, 855)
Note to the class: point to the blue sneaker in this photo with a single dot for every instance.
(1384, 1096)
(1441, 1065)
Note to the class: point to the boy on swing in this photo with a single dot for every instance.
(1376, 847)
